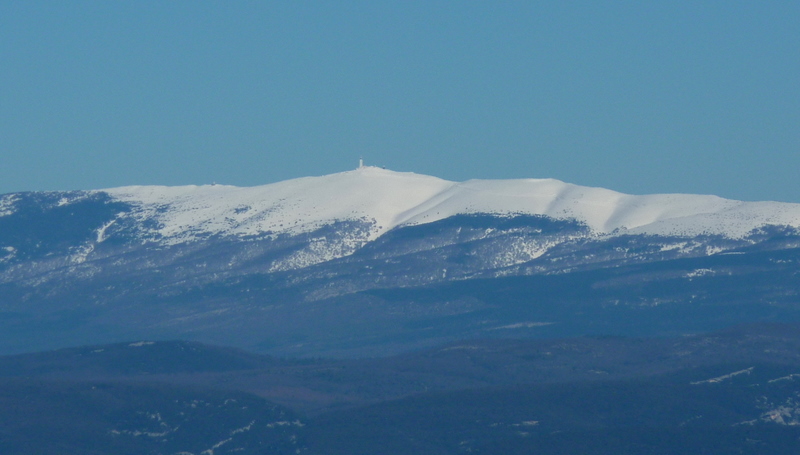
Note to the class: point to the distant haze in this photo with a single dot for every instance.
(680, 97)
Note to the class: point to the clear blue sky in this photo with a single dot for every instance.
(640, 97)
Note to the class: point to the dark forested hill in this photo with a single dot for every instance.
(734, 391)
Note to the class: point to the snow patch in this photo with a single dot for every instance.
(787, 413)
(699, 272)
(790, 377)
(286, 423)
(526, 423)
(139, 344)
(680, 246)
(7, 204)
(81, 253)
(216, 446)
(101, 231)
(11, 252)
(522, 325)
(724, 377)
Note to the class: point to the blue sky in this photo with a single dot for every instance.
(640, 97)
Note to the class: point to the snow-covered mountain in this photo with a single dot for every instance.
(386, 200)
(222, 261)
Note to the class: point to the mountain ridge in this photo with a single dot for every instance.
(388, 199)
(327, 265)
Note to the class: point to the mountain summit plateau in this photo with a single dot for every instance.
(387, 200)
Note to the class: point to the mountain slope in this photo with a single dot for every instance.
(322, 264)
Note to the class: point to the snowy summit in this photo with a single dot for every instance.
(388, 199)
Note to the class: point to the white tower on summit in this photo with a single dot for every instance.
(360, 162)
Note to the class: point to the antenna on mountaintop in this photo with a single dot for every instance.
(360, 162)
